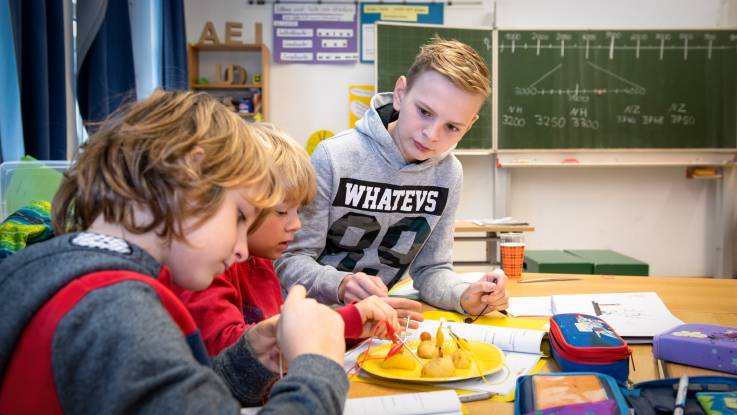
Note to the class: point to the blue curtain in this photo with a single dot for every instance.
(174, 45)
(106, 76)
(38, 27)
(11, 126)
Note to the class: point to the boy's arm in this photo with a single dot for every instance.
(119, 351)
(432, 270)
(217, 313)
(352, 320)
(298, 265)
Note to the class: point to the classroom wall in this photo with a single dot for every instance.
(652, 213)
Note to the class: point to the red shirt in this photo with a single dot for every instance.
(245, 294)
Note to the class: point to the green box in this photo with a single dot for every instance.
(556, 262)
(608, 262)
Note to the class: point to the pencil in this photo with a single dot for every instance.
(473, 397)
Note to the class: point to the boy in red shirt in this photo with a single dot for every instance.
(249, 292)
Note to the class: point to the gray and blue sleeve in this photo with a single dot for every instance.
(119, 351)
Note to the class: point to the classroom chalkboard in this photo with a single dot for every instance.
(396, 48)
(617, 89)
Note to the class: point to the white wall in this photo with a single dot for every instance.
(651, 213)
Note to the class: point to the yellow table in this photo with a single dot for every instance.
(693, 300)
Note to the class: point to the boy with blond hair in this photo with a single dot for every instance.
(387, 192)
(249, 291)
(174, 180)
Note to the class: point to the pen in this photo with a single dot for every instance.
(681, 395)
(473, 397)
(528, 281)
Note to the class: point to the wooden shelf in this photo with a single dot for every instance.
(225, 87)
(234, 47)
(258, 48)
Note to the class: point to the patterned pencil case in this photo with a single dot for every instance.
(584, 343)
(589, 393)
(702, 345)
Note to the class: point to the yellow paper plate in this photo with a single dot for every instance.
(487, 359)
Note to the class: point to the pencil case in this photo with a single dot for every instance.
(584, 343)
(702, 345)
(589, 393)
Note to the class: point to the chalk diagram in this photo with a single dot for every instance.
(632, 88)
(660, 44)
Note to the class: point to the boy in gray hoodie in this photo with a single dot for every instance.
(388, 191)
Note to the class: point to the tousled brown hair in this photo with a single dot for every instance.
(455, 60)
(173, 155)
(295, 182)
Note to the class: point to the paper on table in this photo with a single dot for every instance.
(530, 306)
(425, 403)
(437, 403)
(405, 289)
(507, 220)
(638, 314)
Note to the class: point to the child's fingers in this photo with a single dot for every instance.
(296, 293)
(481, 287)
(354, 292)
(403, 304)
(371, 285)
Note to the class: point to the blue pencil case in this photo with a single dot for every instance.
(590, 393)
(584, 343)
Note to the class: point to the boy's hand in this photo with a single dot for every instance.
(375, 311)
(490, 289)
(406, 308)
(356, 287)
(307, 327)
(262, 339)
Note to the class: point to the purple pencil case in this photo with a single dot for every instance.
(701, 345)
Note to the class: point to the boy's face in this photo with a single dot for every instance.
(272, 238)
(211, 248)
(433, 115)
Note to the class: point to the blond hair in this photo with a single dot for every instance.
(173, 154)
(455, 60)
(295, 182)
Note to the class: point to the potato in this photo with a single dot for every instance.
(441, 351)
(425, 349)
(402, 360)
(461, 359)
(439, 367)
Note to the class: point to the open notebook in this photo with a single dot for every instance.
(424, 403)
(636, 316)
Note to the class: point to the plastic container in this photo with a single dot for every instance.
(22, 182)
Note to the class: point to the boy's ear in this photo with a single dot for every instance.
(400, 89)
(475, 118)
(197, 154)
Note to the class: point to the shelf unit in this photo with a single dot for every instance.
(194, 54)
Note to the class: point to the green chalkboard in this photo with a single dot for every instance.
(617, 89)
(396, 48)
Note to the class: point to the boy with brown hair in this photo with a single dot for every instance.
(174, 180)
(388, 191)
(249, 291)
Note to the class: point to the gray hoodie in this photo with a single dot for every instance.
(119, 351)
(376, 213)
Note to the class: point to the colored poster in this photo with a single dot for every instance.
(427, 13)
(315, 33)
(359, 98)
